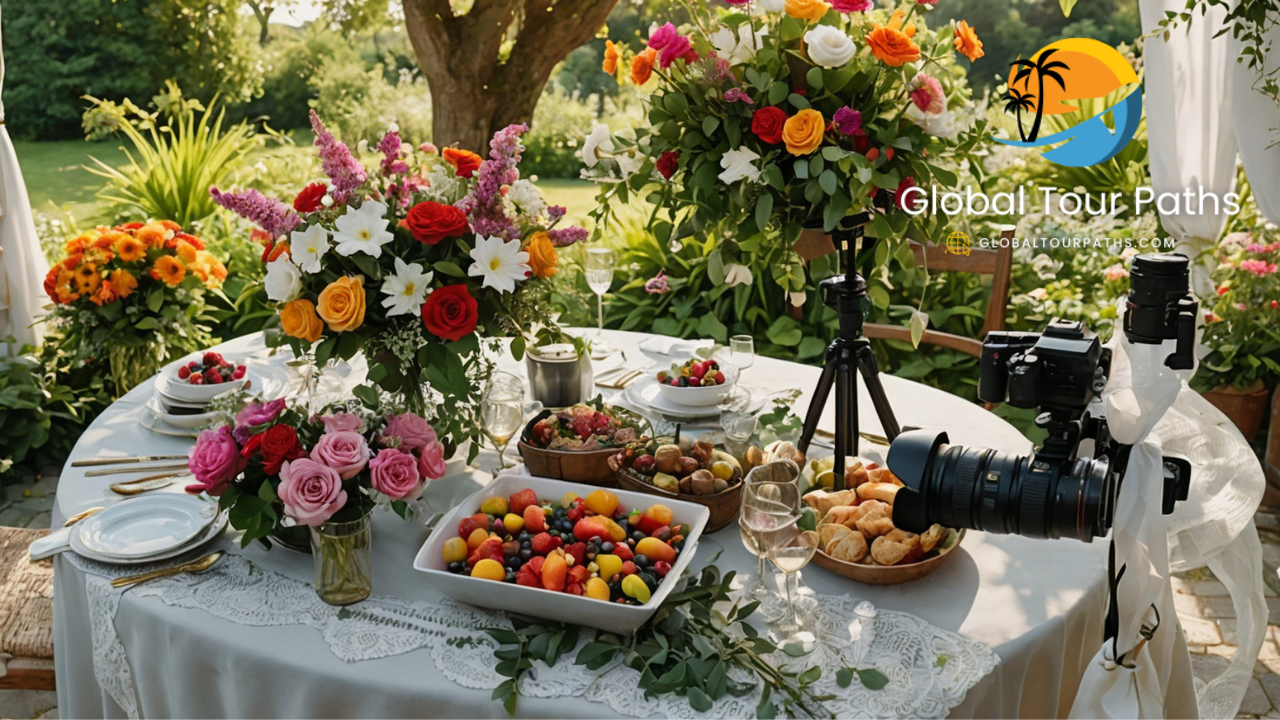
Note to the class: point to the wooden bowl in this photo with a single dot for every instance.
(589, 468)
(723, 505)
(890, 574)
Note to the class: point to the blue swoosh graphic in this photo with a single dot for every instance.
(1092, 142)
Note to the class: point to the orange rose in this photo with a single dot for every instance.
(967, 42)
(464, 162)
(803, 131)
(298, 319)
(154, 234)
(124, 282)
(611, 57)
(169, 269)
(342, 303)
(891, 43)
(642, 66)
(811, 10)
(543, 260)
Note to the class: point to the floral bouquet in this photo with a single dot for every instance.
(1242, 323)
(779, 115)
(412, 263)
(134, 293)
(278, 465)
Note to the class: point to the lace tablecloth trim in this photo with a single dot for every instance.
(929, 669)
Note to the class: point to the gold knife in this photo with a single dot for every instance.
(92, 462)
(121, 471)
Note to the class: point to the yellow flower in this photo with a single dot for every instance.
(542, 255)
(967, 42)
(611, 56)
(186, 251)
(87, 279)
(129, 248)
(803, 131)
(124, 282)
(169, 269)
(811, 10)
(298, 319)
(208, 268)
(892, 44)
(342, 303)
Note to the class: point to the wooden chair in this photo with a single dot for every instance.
(998, 263)
(26, 613)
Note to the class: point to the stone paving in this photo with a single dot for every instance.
(1200, 599)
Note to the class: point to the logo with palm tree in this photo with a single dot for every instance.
(1068, 70)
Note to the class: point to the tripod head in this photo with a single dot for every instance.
(847, 293)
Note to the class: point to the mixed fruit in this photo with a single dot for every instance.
(693, 373)
(587, 546)
(702, 470)
(211, 369)
(582, 428)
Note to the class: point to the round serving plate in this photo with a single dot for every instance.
(646, 395)
(146, 526)
(890, 574)
(152, 422)
(182, 421)
(210, 532)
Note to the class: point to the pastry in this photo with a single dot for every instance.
(823, 500)
(892, 548)
(932, 537)
(847, 545)
(881, 491)
(855, 474)
(827, 533)
(846, 515)
(876, 520)
(883, 475)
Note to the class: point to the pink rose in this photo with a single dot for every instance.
(431, 463)
(311, 492)
(412, 432)
(344, 451)
(928, 95)
(395, 474)
(215, 461)
(342, 421)
(259, 413)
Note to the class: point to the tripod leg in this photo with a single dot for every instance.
(816, 404)
(846, 414)
(871, 375)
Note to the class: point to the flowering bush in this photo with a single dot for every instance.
(134, 293)
(412, 263)
(1242, 322)
(279, 465)
(800, 116)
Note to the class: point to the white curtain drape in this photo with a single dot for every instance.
(22, 263)
(1257, 122)
(1190, 133)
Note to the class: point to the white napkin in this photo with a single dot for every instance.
(663, 345)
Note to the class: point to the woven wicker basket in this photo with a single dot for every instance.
(724, 505)
(588, 468)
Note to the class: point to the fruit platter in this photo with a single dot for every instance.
(693, 471)
(569, 553)
(575, 443)
(696, 382)
(856, 534)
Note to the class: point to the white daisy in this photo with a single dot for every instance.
(364, 230)
(500, 262)
(408, 287)
(306, 247)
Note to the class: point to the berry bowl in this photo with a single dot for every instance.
(610, 615)
(698, 396)
(199, 378)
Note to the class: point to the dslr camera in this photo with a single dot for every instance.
(1068, 486)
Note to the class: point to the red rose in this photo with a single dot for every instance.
(668, 163)
(861, 142)
(279, 443)
(450, 312)
(899, 195)
(309, 199)
(767, 123)
(431, 222)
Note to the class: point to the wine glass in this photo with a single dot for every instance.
(766, 506)
(502, 411)
(742, 351)
(790, 548)
(599, 271)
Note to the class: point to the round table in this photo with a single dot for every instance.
(1038, 604)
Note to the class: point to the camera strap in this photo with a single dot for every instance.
(1111, 628)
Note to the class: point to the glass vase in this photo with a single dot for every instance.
(132, 364)
(342, 560)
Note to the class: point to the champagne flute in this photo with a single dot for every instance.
(766, 506)
(502, 412)
(742, 351)
(790, 549)
(599, 272)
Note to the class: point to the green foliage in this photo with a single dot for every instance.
(559, 123)
(177, 154)
(360, 103)
(1242, 327)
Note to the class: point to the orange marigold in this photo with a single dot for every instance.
(892, 44)
(130, 248)
(967, 42)
(642, 66)
(611, 56)
(168, 269)
(124, 282)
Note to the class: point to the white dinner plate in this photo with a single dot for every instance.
(646, 395)
(266, 380)
(152, 422)
(211, 531)
(146, 525)
(191, 421)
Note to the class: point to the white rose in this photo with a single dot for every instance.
(738, 165)
(599, 140)
(736, 274)
(283, 280)
(828, 46)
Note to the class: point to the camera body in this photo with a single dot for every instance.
(1061, 369)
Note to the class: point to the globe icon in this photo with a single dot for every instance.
(958, 243)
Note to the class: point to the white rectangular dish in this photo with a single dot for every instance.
(546, 604)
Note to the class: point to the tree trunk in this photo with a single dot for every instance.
(474, 93)
(262, 13)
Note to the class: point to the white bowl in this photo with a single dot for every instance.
(546, 604)
(701, 396)
(186, 422)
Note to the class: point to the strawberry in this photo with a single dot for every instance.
(520, 500)
(184, 372)
(662, 567)
(528, 578)
(719, 378)
(238, 374)
(212, 359)
(468, 525)
(579, 573)
(196, 380)
(212, 377)
(575, 513)
(574, 589)
(544, 543)
(698, 370)
(581, 426)
(589, 527)
(579, 552)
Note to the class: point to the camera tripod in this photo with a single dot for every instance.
(850, 351)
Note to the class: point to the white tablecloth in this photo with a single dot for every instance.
(1039, 604)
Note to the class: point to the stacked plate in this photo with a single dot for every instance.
(178, 408)
(142, 530)
(647, 396)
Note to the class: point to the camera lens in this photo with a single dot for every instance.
(1001, 492)
(1157, 282)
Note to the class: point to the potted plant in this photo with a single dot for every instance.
(1242, 331)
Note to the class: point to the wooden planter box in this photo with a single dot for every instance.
(1246, 410)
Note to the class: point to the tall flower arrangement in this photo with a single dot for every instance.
(133, 294)
(1242, 321)
(770, 116)
(413, 263)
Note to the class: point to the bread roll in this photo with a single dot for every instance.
(849, 545)
(822, 500)
(855, 474)
(889, 552)
(875, 520)
(846, 515)
(883, 475)
(882, 491)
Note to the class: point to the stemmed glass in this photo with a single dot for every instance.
(790, 549)
(502, 411)
(742, 352)
(766, 506)
(599, 271)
